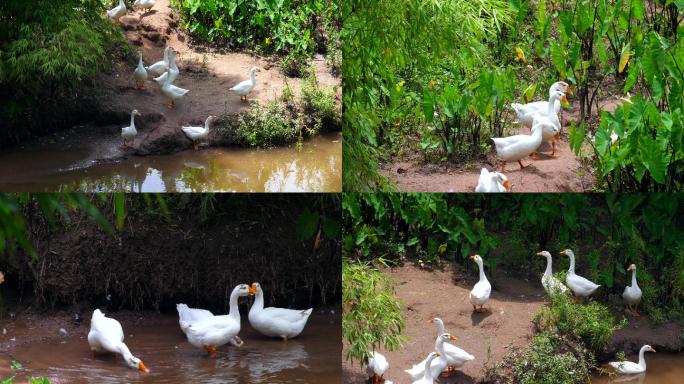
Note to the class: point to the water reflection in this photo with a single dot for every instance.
(317, 167)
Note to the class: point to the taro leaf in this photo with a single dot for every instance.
(624, 58)
(331, 228)
(576, 137)
(307, 224)
(653, 158)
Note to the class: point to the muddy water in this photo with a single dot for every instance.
(662, 368)
(76, 162)
(313, 357)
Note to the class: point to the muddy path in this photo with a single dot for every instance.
(64, 356)
(562, 174)
(207, 73)
(444, 294)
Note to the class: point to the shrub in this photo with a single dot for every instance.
(319, 102)
(371, 314)
(265, 126)
(590, 323)
(545, 363)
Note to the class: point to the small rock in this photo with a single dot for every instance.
(268, 66)
(63, 332)
(401, 170)
(168, 30)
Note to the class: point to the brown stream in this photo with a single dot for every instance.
(74, 163)
(661, 368)
(313, 357)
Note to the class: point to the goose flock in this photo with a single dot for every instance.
(203, 329)
(447, 357)
(542, 119)
(164, 72)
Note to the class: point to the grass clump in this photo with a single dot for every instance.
(371, 315)
(265, 126)
(590, 323)
(544, 362)
(318, 102)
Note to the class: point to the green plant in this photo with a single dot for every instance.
(318, 102)
(371, 316)
(590, 323)
(265, 126)
(544, 362)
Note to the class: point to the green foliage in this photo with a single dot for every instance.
(295, 28)
(372, 316)
(590, 323)
(266, 126)
(318, 102)
(47, 50)
(545, 363)
(395, 53)
(423, 226)
(31, 380)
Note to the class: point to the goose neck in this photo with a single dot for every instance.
(634, 280)
(133, 119)
(549, 268)
(234, 310)
(571, 270)
(258, 301)
(482, 273)
(642, 360)
(440, 327)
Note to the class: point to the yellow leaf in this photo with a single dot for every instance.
(432, 84)
(624, 58)
(521, 55)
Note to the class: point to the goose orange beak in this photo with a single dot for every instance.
(540, 253)
(568, 90)
(252, 290)
(452, 338)
(507, 185)
(472, 257)
(142, 367)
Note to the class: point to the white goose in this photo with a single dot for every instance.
(188, 316)
(198, 133)
(106, 335)
(173, 71)
(245, 87)
(579, 285)
(550, 124)
(492, 182)
(525, 112)
(428, 375)
(628, 367)
(140, 74)
(128, 133)
(550, 283)
(275, 322)
(480, 292)
(117, 12)
(515, 148)
(213, 332)
(172, 92)
(144, 4)
(632, 293)
(162, 66)
(376, 367)
(454, 355)
(436, 366)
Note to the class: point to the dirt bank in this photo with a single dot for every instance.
(207, 73)
(444, 294)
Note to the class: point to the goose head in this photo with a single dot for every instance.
(136, 113)
(136, 363)
(632, 267)
(561, 86)
(568, 252)
(476, 258)
(254, 288)
(502, 179)
(544, 253)
(648, 348)
(446, 337)
(242, 290)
